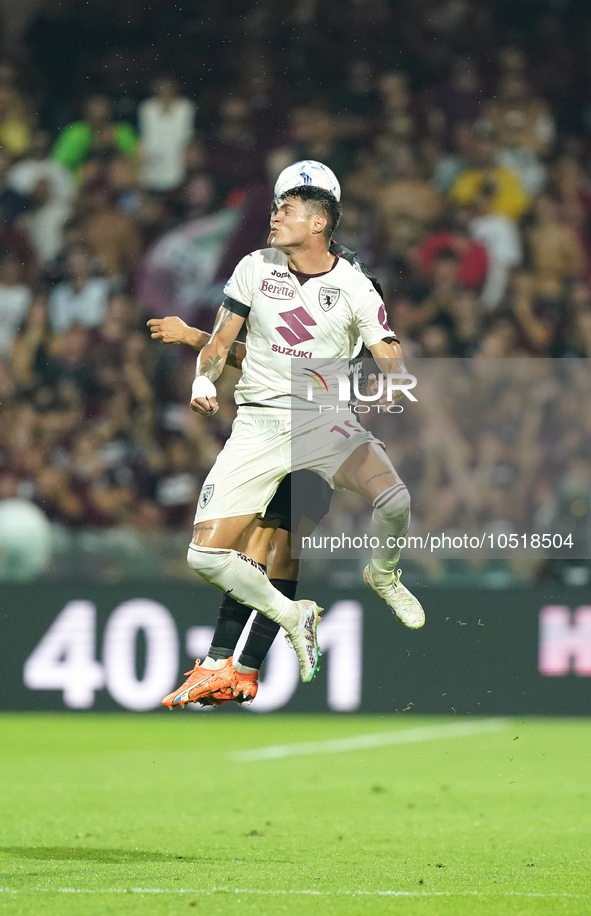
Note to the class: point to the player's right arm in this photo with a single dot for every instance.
(173, 330)
(239, 291)
(212, 360)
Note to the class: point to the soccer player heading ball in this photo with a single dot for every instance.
(240, 488)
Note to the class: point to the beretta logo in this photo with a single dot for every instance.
(328, 297)
(277, 290)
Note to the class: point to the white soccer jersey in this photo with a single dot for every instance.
(319, 319)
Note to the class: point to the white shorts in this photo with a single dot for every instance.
(265, 445)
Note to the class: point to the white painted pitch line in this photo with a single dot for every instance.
(376, 739)
(277, 893)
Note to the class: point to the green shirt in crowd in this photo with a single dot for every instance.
(74, 144)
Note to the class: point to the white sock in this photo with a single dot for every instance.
(390, 519)
(383, 567)
(244, 669)
(242, 578)
(214, 664)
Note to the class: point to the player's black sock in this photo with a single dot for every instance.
(232, 618)
(263, 631)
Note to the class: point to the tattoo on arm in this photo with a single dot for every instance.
(381, 474)
(236, 355)
(232, 359)
(224, 317)
(215, 353)
(211, 368)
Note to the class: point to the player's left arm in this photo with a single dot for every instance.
(388, 355)
(212, 360)
(378, 337)
(372, 324)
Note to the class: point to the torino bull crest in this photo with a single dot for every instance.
(328, 297)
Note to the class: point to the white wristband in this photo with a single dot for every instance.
(203, 388)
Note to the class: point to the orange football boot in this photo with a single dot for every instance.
(244, 689)
(247, 686)
(202, 682)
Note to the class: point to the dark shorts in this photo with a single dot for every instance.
(310, 498)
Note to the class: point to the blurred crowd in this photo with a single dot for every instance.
(139, 144)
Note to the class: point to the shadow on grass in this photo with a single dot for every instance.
(80, 854)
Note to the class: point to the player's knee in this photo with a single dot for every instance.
(393, 502)
(207, 562)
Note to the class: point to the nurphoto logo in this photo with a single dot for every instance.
(389, 390)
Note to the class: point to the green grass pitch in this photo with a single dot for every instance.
(167, 814)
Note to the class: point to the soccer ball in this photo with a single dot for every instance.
(307, 172)
(22, 525)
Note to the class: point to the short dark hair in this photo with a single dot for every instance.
(318, 200)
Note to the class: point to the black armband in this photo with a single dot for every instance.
(239, 308)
